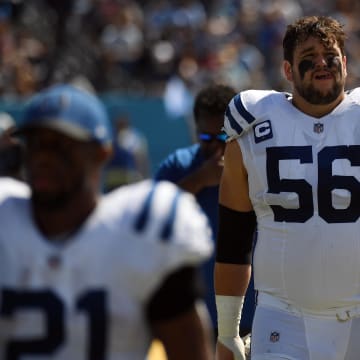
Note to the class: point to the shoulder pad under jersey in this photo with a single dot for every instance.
(244, 109)
(354, 94)
(10, 187)
(170, 215)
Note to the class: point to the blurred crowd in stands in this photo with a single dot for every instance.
(150, 46)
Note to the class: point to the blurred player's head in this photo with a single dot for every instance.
(315, 61)
(67, 137)
(209, 109)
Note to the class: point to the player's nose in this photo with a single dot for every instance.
(320, 61)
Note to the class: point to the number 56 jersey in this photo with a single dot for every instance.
(86, 299)
(304, 184)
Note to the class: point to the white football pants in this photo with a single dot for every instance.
(281, 334)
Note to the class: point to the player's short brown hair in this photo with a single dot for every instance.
(325, 28)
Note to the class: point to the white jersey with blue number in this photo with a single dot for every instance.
(304, 184)
(86, 299)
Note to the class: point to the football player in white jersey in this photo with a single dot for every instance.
(84, 276)
(292, 171)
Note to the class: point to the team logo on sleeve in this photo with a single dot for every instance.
(263, 131)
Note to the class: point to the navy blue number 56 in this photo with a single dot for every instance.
(92, 303)
(327, 182)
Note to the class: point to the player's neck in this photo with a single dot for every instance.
(65, 220)
(316, 111)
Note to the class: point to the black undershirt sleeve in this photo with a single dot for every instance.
(176, 295)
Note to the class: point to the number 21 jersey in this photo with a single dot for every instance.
(86, 299)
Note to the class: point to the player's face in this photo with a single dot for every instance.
(210, 134)
(318, 73)
(57, 167)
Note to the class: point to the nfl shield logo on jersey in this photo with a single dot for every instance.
(274, 336)
(318, 128)
(54, 262)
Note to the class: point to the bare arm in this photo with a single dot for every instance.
(233, 279)
(187, 336)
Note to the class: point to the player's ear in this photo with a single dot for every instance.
(345, 65)
(287, 68)
(103, 153)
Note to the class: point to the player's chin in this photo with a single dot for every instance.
(45, 182)
(324, 85)
(49, 201)
(46, 191)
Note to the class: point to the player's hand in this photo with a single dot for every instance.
(230, 348)
(211, 169)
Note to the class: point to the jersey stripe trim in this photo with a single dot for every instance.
(169, 224)
(143, 217)
(233, 122)
(241, 109)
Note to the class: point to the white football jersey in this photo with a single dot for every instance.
(86, 299)
(304, 184)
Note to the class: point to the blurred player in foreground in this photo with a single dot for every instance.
(85, 276)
